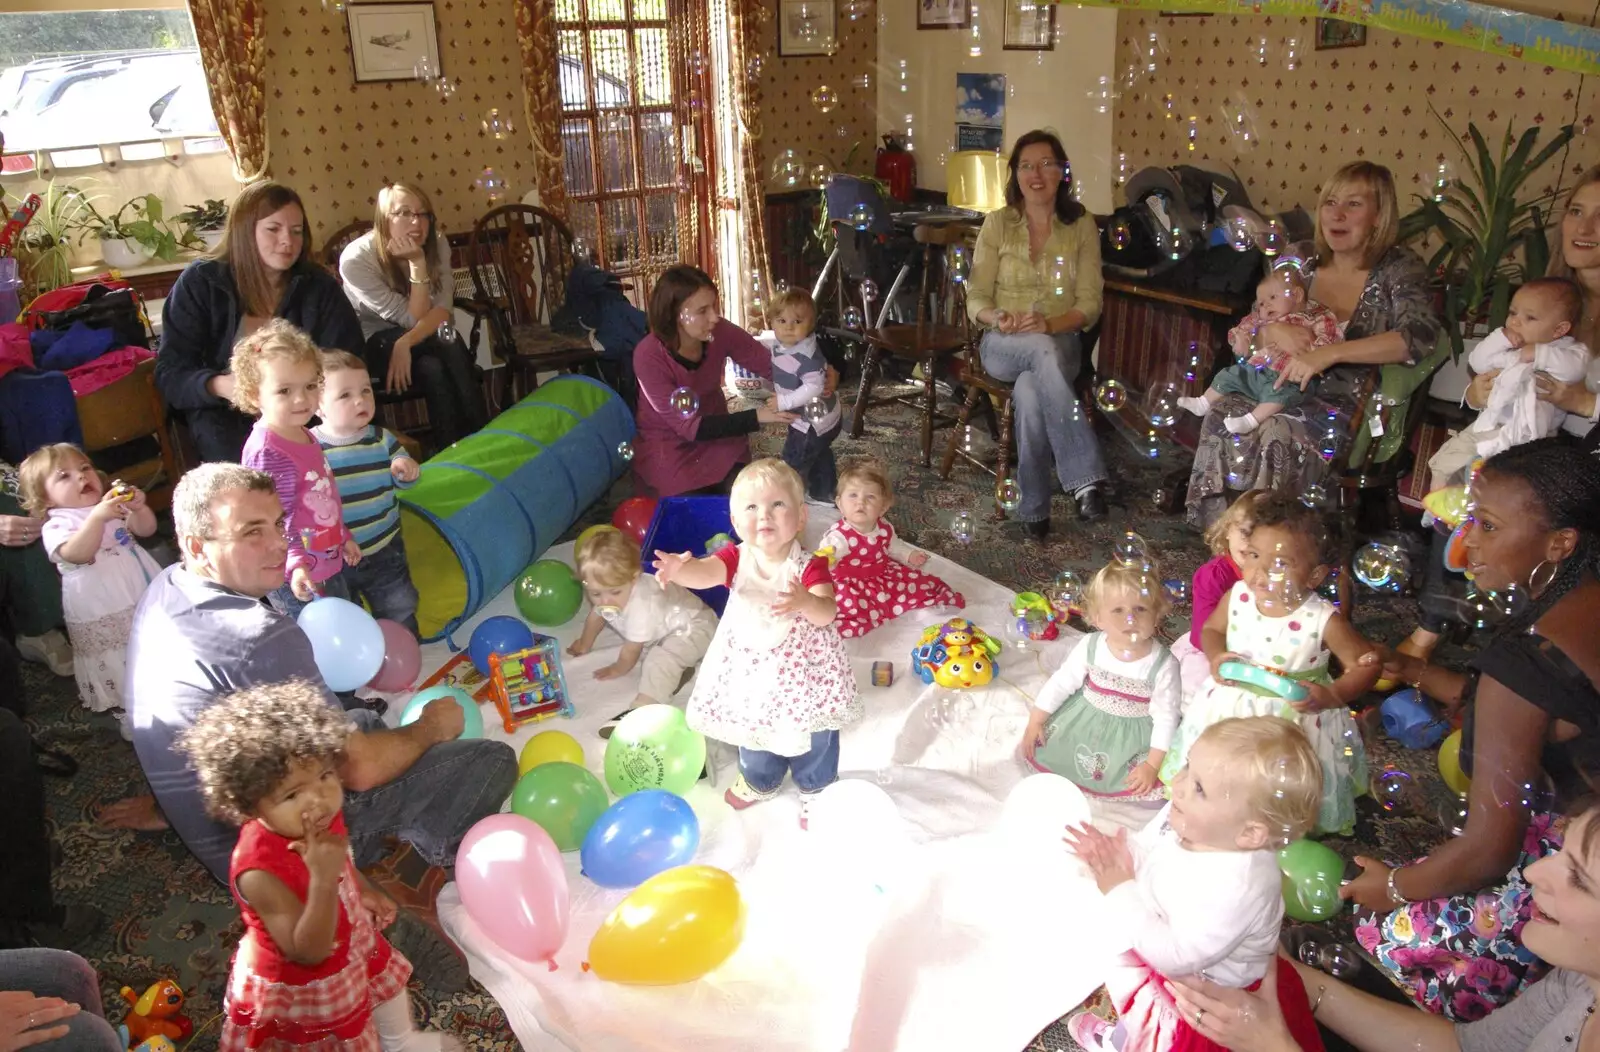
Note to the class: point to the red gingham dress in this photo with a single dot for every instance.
(275, 1004)
(872, 587)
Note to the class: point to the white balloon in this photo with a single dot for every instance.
(1040, 809)
(857, 825)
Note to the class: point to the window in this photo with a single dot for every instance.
(633, 199)
(72, 79)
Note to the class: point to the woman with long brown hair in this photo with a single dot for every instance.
(262, 269)
(398, 278)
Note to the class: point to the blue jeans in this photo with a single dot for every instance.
(1051, 426)
(383, 579)
(58, 973)
(811, 455)
(813, 770)
(284, 602)
(433, 804)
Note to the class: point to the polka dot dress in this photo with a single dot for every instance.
(1293, 645)
(871, 587)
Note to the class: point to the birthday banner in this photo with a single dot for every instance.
(1528, 38)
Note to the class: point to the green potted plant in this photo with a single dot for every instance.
(65, 214)
(1491, 236)
(203, 224)
(135, 233)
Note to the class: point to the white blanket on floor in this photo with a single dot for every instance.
(974, 945)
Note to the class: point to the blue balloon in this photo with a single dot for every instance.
(639, 836)
(472, 727)
(498, 635)
(346, 642)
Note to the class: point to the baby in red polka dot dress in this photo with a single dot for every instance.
(876, 576)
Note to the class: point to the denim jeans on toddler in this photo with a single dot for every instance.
(283, 599)
(813, 771)
(383, 579)
(811, 456)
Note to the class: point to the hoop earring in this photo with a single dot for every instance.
(1537, 589)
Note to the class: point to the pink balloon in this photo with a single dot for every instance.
(402, 658)
(514, 885)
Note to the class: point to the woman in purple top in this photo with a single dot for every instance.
(698, 451)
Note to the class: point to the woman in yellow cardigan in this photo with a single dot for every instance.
(1035, 286)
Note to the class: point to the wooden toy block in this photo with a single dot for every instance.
(882, 673)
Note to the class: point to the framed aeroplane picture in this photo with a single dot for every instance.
(389, 41)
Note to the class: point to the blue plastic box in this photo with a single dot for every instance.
(685, 524)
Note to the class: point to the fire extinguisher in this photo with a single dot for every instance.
(897, 166)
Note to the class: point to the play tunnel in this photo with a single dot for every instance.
(490, 504)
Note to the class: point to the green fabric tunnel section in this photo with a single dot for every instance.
(492, 503)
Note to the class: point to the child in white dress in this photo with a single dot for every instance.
(776, 681)
(1274, 620)
(1106, 717)
(1198, 889)
(89, 533)
(665, 624)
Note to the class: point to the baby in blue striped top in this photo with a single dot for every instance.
(798, 377)
(368, 464)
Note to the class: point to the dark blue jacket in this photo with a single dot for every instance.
(198, 323)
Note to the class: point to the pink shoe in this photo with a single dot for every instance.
(1089, 1031)
(740, 795)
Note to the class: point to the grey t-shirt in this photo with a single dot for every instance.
(1546, 1017)
(193, 643)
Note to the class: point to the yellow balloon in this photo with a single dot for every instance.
(1450, 765)
(549, 747)
(673, 928)
(577, 545)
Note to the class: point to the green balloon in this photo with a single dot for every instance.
(653, 748)
(1312, 873)
(547, 593)
(561, 798)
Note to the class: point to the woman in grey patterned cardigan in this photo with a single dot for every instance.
(1379, 292)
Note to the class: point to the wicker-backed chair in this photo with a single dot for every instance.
(520, 257)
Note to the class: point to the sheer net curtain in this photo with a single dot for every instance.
(744, 273)
(233, 53)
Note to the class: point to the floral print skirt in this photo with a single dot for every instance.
(1462, 957)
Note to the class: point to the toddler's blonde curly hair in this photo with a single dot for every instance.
(276, 341)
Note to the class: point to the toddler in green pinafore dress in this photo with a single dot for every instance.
(1106, 717)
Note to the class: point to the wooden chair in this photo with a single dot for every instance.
(520, 257)
(985, 390)
(126, 411)
(927, 343)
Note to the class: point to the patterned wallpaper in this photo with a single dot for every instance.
(337, 142)
(1360, 102)
(791, 121)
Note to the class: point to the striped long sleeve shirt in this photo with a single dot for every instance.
(361, 466)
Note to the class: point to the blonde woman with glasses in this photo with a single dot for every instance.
(398, 278)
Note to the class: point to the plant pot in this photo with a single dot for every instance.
(124, 252)
(212, 238)
(1450, 380)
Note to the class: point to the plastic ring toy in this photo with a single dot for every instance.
(1455, 550)
(1256, 676)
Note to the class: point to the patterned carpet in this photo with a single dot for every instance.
(167, 918)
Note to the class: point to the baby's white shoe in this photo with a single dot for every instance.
(1240, 425)
(1195, 404)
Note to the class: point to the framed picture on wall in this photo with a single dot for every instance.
(944, 14)
(1030, 26)
(1335, 33)
(388, 40)
(806, 27)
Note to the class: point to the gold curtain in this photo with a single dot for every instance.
(541, 99)
(747, 27)
(233, 53)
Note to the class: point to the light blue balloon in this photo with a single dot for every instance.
(642, 834)
(472, 727)
(346, 642)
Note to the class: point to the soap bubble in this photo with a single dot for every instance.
(1315, 495)
(1177, 590)
(1008, 494)
(817, 175)
(787, 171)
(1394, 791)
(959, 261)
(1066, 593)
(962, 527)
(1330, 444)
(446, 332)
(625, 451)
(492, 185)
(1102, 95)
(861, 216)
(495, 125)
(1121, 234)
(424, 70)
(824, 99)
(333, 7)
(1443, 176)
(1281, 589)
(1272, 239)
(1161, 403)
(697, 63)
(1110, 396)
(446, 88)
(1291, 53)
(1237, 468)
(1239, 237)
(1130, 549)
(855, 10)
(684, 402)
(1382, 567)
(851, 318)
(752, 68)
(1336, 959)
(1453, 816)
(869, 290)
(862, 81)
(815, 411)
